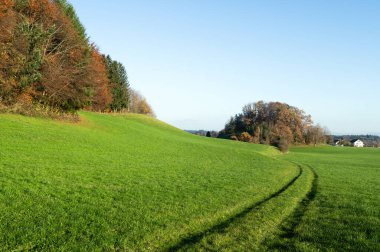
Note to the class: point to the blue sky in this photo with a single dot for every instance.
(199, 61)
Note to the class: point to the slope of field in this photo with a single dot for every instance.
(131, 183)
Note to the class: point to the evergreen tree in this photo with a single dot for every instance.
(118, 78)
(69, 11)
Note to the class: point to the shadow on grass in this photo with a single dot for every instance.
(220, 227)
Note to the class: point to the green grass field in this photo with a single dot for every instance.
(134, 183)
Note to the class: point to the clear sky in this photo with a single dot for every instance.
(199, 61)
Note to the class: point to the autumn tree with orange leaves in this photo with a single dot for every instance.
(273, 123)
(46, 58)
(97, 73)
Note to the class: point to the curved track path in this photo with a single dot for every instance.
(274, 217)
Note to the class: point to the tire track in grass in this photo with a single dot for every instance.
(302, 208)
(288, 230)
(220, 227)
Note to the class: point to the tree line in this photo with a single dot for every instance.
(46, 58)
(274, 123)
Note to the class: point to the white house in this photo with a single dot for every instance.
(357, 143)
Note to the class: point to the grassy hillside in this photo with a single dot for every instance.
(123, 182)
(134, 183)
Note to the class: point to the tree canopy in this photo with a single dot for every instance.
(273, 123)
(46, 58)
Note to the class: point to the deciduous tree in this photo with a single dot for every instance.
(271, 123)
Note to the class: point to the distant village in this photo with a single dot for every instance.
(358, 141)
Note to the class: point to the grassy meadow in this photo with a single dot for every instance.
(344, 213)
(131, 182)
(337, 207)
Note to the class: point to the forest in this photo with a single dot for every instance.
(274, 123)
(47, 62)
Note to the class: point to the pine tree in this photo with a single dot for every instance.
(118, 77)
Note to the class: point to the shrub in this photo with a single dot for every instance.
(283, 145)
(246, 137)
(234, 138)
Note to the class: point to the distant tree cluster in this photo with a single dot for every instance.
(46, 58)
(274, 123)
(204, 133)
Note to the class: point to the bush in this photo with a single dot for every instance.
(39, 110)
(234, 138)
(283, 145)
(246, 137)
